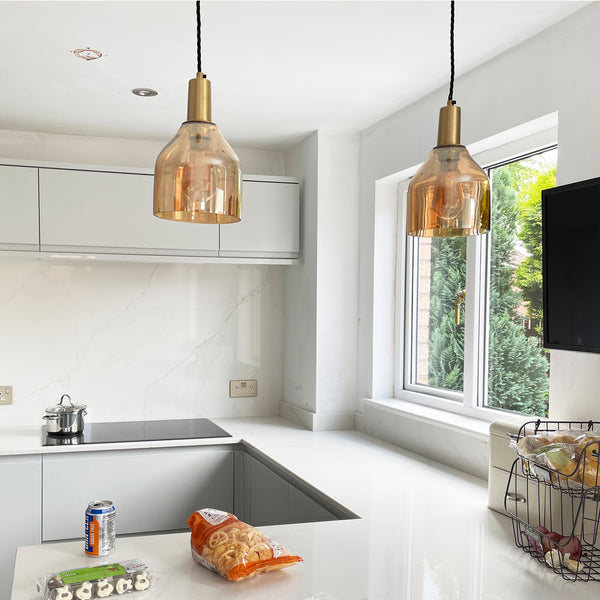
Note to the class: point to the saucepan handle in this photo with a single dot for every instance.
(67, 397)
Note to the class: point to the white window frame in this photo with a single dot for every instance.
(472, 402)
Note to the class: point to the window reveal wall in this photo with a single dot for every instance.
(560, 57)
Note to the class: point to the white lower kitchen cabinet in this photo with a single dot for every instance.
(102, 212)
(266, 497)
(19, 225)
(20, 515)
(152, 489)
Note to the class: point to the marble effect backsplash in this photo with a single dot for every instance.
(137, 341)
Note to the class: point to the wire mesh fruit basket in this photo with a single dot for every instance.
(553, 496)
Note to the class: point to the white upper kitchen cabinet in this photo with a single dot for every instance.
(19, 224)
(111, 213)
(270, 221)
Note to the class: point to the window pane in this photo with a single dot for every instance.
(518, 366)
(438, 357)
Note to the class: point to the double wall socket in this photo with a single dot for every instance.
(242, 388)
(5, 394)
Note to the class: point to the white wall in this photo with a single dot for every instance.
(321, 293)
(337, 273)
(136, 340)
(553, 71)
(300, 359)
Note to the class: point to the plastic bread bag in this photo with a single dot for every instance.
(557, 462)
(554, 450)
(589, 463)
(233, 549)
(558, 456)
(527, 444)
(102, 581)
(568, 436)
(573, 453)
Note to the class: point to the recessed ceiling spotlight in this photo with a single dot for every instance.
(87, 53)
(144, 92)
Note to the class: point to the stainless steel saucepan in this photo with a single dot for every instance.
(65, 419)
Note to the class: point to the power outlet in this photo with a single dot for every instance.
(5, 394)
(242, 388)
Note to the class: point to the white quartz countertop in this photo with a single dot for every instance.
(425, 532)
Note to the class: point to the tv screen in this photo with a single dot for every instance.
(571, 266)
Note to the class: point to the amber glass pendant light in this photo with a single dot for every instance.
(197, 176)
(449, 196)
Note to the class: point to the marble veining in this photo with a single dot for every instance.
(219, 329)
(139, 340)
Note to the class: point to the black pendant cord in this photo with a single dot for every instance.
(198, 37)
(450, 99)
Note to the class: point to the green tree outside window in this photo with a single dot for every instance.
(518, 366)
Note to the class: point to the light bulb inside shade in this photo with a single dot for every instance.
(197, 177)
(449, 196)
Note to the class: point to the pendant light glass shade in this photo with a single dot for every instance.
(197, 177)
(449, 196)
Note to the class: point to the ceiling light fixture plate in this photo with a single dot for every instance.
(144, 92)
(87, 53)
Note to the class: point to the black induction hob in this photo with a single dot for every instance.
(137, 431)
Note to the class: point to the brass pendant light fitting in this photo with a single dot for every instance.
(197, 176)
(449, 196)
(199, 91)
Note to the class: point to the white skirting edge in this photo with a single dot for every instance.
(316, 421)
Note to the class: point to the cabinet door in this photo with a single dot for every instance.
(19, 225)
(270, 222)
(153, 490)
(89, 211)
(20, 514)
(306, 510)
(264, 495)
(267, 498)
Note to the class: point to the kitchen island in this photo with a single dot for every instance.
(424, 532)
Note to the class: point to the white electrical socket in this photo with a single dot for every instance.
(242, 388)
(5, 394)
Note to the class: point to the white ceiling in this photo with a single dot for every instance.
(279, 69)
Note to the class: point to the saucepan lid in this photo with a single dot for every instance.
(61, 408)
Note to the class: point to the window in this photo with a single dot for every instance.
(473, 306)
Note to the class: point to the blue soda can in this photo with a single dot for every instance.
(100, 528)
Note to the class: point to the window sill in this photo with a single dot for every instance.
(458, 441)
(470, 426)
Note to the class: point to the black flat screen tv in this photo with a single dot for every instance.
(571, 266)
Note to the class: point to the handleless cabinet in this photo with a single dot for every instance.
(20, 515)
(112, 213)
(152, 489)
(85, 211)
(270, 222)
(266, 497)
(19, 225)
